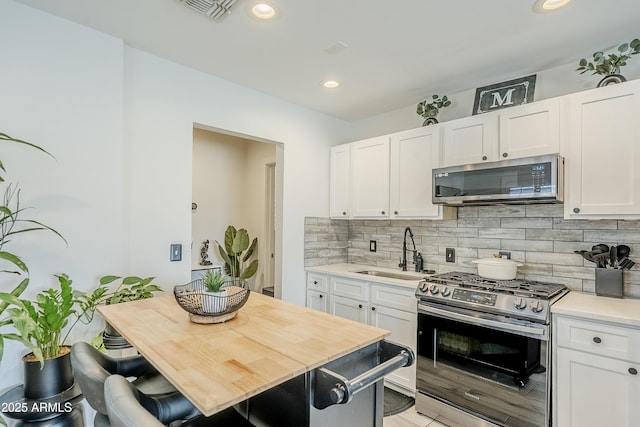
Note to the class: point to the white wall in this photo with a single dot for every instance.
(120, 123)
(550, 83)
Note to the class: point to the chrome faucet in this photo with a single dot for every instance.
(403, 261)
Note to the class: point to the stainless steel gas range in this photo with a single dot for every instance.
(483, 356)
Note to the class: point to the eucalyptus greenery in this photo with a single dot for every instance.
(431, 108)
(610, 64)
(214, 280)
(236, 242)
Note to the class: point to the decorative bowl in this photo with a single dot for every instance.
(208, 307)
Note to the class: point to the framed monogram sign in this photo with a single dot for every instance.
(505, 94)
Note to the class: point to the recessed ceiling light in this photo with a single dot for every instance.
(330, 84)
(542, 6)
(263, 10)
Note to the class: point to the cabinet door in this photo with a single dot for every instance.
(530, 129)
(317, 300)
(340, 181)
(594, 391)
(413, 155)
(604, 153)
(348, 308)
(403, 326)
(370, 175)
(470, 140)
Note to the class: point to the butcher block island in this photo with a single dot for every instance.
(273, 361)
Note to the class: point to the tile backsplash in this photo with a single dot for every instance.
(536, 235)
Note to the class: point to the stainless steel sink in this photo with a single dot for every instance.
(387, 274)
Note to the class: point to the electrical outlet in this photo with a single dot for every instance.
(450, 255)
(176, 252)
(505, 254)
(373, 245)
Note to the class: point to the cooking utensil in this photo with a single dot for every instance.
(600, 248)
(588, 255)
(497, 268)
(613, 256)
(626, 264)
(623, 252)
(601, 259)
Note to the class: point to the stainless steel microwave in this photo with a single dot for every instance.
(536, 179)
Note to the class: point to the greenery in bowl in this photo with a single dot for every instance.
(431, 108)
(610, 64)
(214, 280)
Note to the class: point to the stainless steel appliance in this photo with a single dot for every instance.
(483, 355)
(536, 179)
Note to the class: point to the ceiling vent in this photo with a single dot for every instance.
(214, 9)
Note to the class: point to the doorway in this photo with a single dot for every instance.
(234, 182)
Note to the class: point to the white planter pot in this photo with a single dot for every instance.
(497, 268)
(214, 302)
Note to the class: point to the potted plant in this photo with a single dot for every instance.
(236, 242)
(609, 65)
(430, 109)
(214, 299)
(39, 326)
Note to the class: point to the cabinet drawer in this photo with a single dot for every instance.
(599, 338)
(317, 282)
(349, 288)
(394, 297)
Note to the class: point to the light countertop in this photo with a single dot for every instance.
(350, 271)
(624, 311)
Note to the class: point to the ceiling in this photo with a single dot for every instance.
(399, 52)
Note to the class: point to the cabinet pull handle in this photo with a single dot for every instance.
(597, 340)
(576, 210)
(633, 371)
(484, 157)
(505, 154)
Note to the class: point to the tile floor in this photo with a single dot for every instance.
(410, 418)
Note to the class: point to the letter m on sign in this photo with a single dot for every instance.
(505, 94)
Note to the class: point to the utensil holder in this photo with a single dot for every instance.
(609, 282)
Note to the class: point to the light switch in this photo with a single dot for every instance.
(176, 252)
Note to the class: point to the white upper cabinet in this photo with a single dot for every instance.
(370, 177)
(414, 154)
(514, 132)
(603, 163)
(470, 140)
(530, 129)
(340, 181)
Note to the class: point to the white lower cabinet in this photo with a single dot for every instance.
(596, 381)
(385, 306)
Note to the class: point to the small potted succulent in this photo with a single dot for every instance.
(214, 297)
(609, 65)
(430, 109)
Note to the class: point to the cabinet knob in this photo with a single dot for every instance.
(633, 371)
(321, 296)
(576, 210)
(315, 282)
(359, 305)
(373, 309)
(344, 213)
(395, 212)
(382, 212)
(597, 340)
(505, 155)
(484, 157)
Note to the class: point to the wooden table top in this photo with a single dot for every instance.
(218, 365)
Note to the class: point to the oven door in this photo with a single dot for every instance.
(490, 367)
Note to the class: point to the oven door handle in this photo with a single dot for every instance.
(479, 321)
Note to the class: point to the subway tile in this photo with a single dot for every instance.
(584, 224)
(507, 211)
(479, 243)
(550, 234)
(526, 223)
(613, 236)
(552, 258)
(479, 222)
(502, 233)
(548, 211)
(526, 245)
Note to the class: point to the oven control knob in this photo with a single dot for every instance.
(445, 292)
(424, 287)
(434, 289)
(519, 303)
(537, 306)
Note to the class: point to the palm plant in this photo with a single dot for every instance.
(236, 242)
